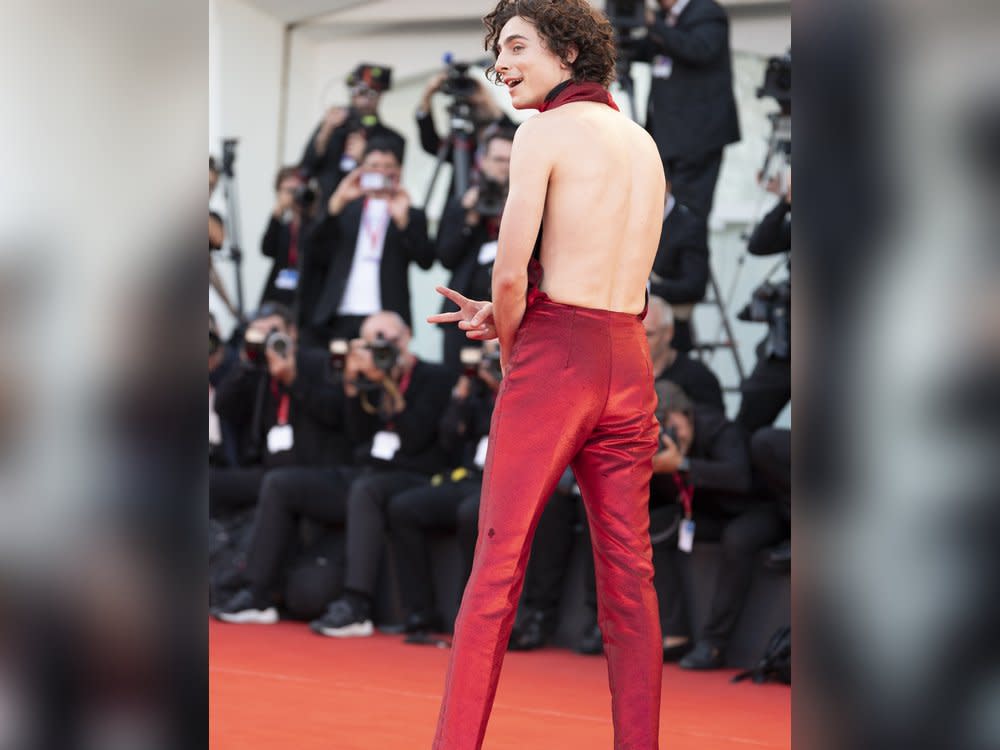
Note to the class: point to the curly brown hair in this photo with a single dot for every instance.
(561, 23)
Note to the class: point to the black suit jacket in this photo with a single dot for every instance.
(693, 112)
(330, 255)
(276, 244)
(458, 250)
(248, 402)
(681, 265)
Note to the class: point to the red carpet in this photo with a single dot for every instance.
(281, 686)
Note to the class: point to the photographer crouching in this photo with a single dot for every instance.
(468, 232)
(450, 501)
(394, 402)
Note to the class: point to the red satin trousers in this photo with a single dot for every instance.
(579, 391)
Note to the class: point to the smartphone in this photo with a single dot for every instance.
(374, 181)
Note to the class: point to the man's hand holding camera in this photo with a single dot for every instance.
(670, 457)
(347, 191)
(281, 365)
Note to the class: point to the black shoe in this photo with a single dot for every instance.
(591, 642)
(779, 559)
(244, 607)
(532, 632)
(677, 652)
(423, 622)
(703, 656)
(343, 620)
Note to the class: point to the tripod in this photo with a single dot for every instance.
(231, 219)
(460, 140)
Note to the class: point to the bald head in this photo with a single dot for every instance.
(390, 324)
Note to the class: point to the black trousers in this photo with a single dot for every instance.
(287, 496)
(412, 515)
(551, 550)
(742, 536)
(231, 489)
(771, 454)
(693, 180)
(367, 504)
(765, 392)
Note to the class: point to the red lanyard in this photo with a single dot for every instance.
(293, 245)
(284, 404)
(686, 492)
(374, 230)
(404, 384)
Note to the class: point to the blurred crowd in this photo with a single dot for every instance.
(332, 443)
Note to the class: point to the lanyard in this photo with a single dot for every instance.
(284, 403)
(374, 229)
(404, 384)
(686, 492)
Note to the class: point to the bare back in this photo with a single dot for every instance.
(603, 208)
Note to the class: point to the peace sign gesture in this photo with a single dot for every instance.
(475, 318)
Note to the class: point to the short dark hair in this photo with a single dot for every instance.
(493, 133)
(284, 173)
(561, 23)
(671, 399)
(268, 309)
(384, 145)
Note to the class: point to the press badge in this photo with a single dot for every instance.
(385, 445)
(685, 539)
(481, 451)
(487, 253)
(663, 66)
(280, 438)
(287, 279)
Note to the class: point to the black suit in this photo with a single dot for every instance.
(330, 256)
(682, 266)
(277, 244)
(458, 250)
(692, 113)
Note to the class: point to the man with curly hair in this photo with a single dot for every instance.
(577, 387)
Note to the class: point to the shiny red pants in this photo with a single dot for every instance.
(579, 391)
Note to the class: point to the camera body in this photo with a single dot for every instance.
(374, 182)
(778, 81)
(492, 197)
(771, 303)
(474, 357)
(385, 353)
(458, 83)
(256, 344)
(305, 196)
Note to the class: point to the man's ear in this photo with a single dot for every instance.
(572, 52)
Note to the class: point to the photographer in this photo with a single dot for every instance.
(324, 157)
(691, 375)
(360, 250)
(393, 404)
(464, 430)
(703, 473)
(467, 235)
(282, 239)
(222, 358)
(279, 400)
(483, 110)
(692, 110)
(680, 269)
(768, 388)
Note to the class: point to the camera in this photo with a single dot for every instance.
(626, 15)
(458, 83)
(492, 362)
(778, 81)
(492, 197)
(256, 344)
(470, 357)
(339, 349)
(385, 353)
(771, 303)
(671, 432)
(305, 195)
